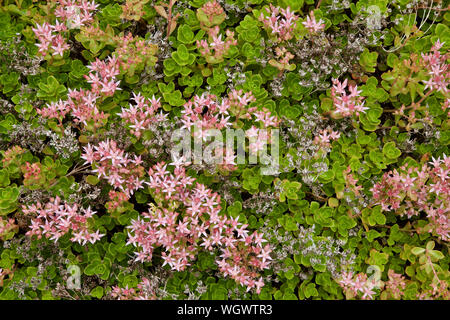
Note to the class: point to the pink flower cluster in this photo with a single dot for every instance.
(326, 136)
(116, 199)
(212, 8)
(55, 220)
(114, 165)
(204, 114)
(282, 26)
(187, 220)
(237, 103)
(439, 291)
(215, 117)
(258, 138)
(102, 76)
(413, 191)
(83, 107)
(312, 24)
(283, 57)
(49, 39)
(32, 173)
(358, 284)
(142, 115)
(347, 104)
(81, 104)
(74, 13)
(10, 155)
(144, 292)
(351, 181)
(437, 67)
(396, 284)
(266, 118)
(216, 48)
(132, 51)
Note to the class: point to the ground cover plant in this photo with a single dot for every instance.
(224, 149)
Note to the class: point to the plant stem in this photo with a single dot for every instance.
(169, 19)
(414, 104)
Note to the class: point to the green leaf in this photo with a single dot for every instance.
(345, 222)
(31, 271)
(376, 216)
(288, 223)
(130, 281)
(376, 156)
(391, 151)
(185, 34)
(293, 4)
(219, 292)
(90, 269)
(417, 251)
(391, 60)
(52, 90)
(436, 254)
(326, 176)
(372, 235)
(4, 178)
(368, 60)
(323, 216)
(311, 291)
(235, 209)
(8, 200)
(141, 197)
(97, 292)
(182, 56)
(9, 82)
(378, 258)
(92, 180)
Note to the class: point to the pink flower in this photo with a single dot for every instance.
(347, 104)
(118, 168)
(88, 154)
(51, 35)
(95, 237)
(282, 26)
(141, 115)
(60, 219)
(60, 46)
(438, 69)
(266, 118)
(325, 136)
(426, 193)
(81, 103)
(252, 132)
(312, 25)
(109, 86)
(367, 292)
(265, 253)
(217, 48)
(196, 225)
(259, 284)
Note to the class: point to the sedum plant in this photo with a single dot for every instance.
(333, 185)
